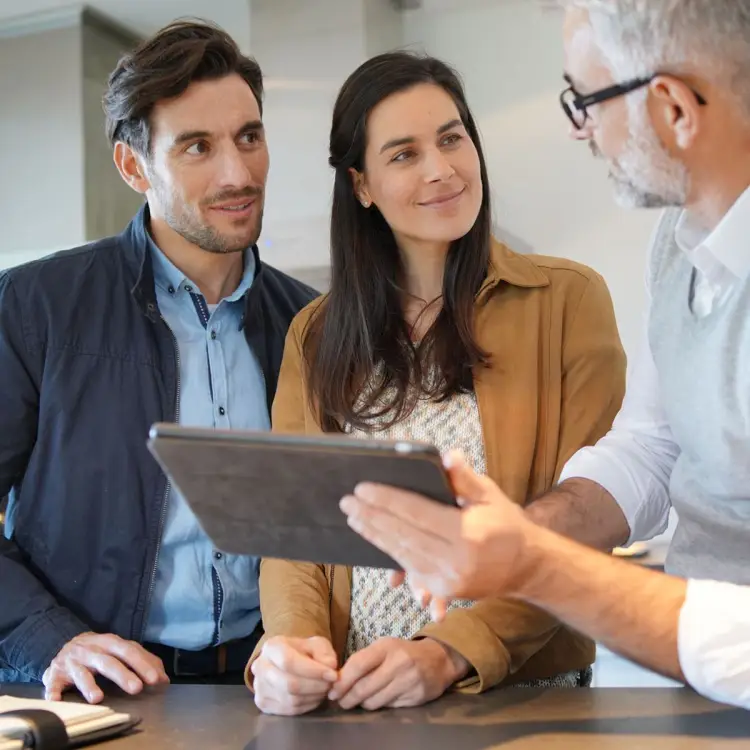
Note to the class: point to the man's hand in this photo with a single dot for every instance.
(471, 552)
(125, 663)
(394, 673)
(294, 675)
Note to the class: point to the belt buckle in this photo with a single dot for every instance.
(178, 672)
(218, 662)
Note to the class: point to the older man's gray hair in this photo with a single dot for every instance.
(709, 38)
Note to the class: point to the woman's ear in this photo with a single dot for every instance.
(359, 187)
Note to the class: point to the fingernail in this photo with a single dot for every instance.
(152, 677)
(452, 459)
(331, 676)
(333, 696)
(133, 685)
(353, 523)
(363, 491)
(94, 696)
(348, 504)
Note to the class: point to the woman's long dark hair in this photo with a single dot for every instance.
(358, 339)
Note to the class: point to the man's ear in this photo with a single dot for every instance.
(359, 187)
(677, 109)
(131, 168)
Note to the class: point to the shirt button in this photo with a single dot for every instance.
(171, 289)
(188, 288)
(218, 555)
(213, 335)
(222, 411)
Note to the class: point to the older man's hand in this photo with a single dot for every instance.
(470, 552)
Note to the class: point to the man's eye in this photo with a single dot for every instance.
(403, 156)
(196, 149)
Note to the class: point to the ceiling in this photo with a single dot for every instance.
(146, 16)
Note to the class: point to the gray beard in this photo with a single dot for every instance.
(630, 195)
(646, 176)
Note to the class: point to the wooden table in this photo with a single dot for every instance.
(187, 717)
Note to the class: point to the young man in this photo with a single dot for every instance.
(661, 91)
(105, 570)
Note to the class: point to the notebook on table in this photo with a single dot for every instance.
(83, 723)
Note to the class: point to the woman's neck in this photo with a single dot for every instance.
(424, 268)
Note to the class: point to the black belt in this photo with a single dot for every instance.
(212, 661)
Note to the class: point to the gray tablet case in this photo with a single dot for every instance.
(271, 495)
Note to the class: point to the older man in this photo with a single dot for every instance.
(660, 89)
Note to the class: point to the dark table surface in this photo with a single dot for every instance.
(219, 717)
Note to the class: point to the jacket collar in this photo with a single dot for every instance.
(512, 268)
(135, 240)
(135, 249)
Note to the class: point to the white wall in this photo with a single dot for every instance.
(306, 51)
(548, 190)
(41, 143)
(304, 54)
(65, 189)
(109, 202)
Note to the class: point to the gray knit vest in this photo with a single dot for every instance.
(704, 380)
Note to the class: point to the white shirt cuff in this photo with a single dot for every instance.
(714, 641)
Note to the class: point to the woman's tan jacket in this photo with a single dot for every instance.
(555, 383)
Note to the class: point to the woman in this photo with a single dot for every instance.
(431, 331)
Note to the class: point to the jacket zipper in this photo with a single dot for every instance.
(167, 488)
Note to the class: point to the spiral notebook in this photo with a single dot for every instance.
(83, 723)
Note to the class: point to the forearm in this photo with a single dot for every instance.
(294, 599)
(581, 510)
(33, 625)
(631, 610)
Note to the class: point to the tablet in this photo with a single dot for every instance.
(272, 495)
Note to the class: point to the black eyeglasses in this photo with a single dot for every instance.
(576, 105)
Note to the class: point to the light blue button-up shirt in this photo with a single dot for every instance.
(201, 596)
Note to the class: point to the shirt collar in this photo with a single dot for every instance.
(728, 244)
(169, 278)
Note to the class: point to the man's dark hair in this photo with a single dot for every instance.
(163, 67)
